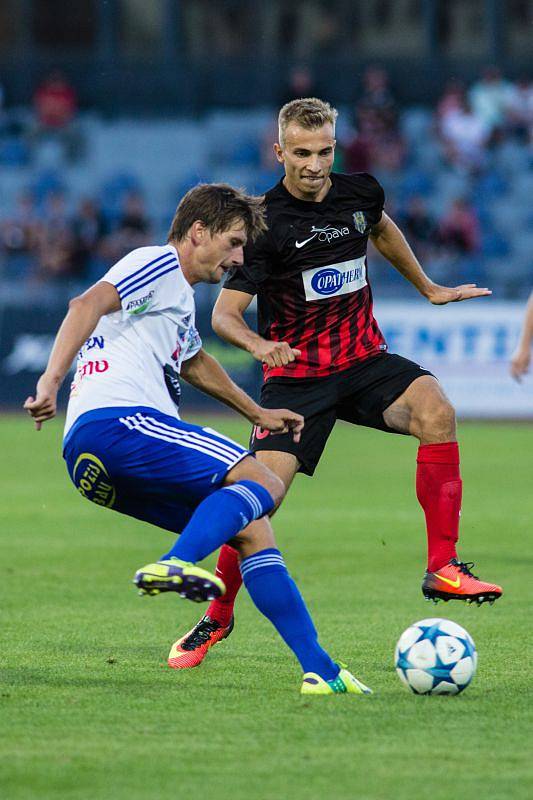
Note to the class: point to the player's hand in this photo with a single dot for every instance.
(43, 406)
(274, 354)
(281, 420)
(520, 362)
(440, 295)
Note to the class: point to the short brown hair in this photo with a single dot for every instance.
(308, 112)
(218, 206)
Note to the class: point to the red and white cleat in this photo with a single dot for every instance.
(191, 649)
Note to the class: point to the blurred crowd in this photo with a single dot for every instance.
(43, 241)
(469, 121)
(47, 236)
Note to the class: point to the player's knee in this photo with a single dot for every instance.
(275, 487)
(253, 470)
(438, 420)
(272, 483)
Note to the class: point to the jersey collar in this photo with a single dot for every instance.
(310, 203)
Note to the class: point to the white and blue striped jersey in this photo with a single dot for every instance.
(134, 355)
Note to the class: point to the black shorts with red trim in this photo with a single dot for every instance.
(359, 394)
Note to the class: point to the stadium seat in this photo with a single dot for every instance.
(14, 152)
(416, 182)
(47, 183)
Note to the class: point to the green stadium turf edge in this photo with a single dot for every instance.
(88, 708)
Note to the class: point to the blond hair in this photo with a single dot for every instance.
(308, 112)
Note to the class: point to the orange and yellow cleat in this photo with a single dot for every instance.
(191, 649)
(456, 582)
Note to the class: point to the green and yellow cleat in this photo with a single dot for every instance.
(174, 575)
(344, 683)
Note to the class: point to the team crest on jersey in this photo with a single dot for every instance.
(359, 220)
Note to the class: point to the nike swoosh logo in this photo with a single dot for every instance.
(456, 583)
(301, 244)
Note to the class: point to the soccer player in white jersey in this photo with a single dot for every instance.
(126, 447)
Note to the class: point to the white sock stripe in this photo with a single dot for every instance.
(246, 570)
(136, 425)
(253, 499)
(258, 560)
(262, 554)
(256, 499)
(252, 506)
(231, 451)
(249, 496)
(207, 446)
(254, 561)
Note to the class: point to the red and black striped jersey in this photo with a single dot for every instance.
(309, 272)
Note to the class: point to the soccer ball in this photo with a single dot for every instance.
(435, 656)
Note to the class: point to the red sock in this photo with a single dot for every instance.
(439, 492)
(228, 569)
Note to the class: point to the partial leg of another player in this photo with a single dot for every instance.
(424, 411)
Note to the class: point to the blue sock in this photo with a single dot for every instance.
(219, 517)
(277, 597)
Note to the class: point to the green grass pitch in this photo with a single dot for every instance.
(88, 708)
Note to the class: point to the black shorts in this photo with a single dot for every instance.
(359, 394)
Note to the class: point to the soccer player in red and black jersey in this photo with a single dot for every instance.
(324, 355)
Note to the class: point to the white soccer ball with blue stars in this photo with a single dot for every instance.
(435, 656)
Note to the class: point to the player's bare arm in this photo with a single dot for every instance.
(205, 373)
(229, 323)
(392, 244)
(82, 318)
(521, 358)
